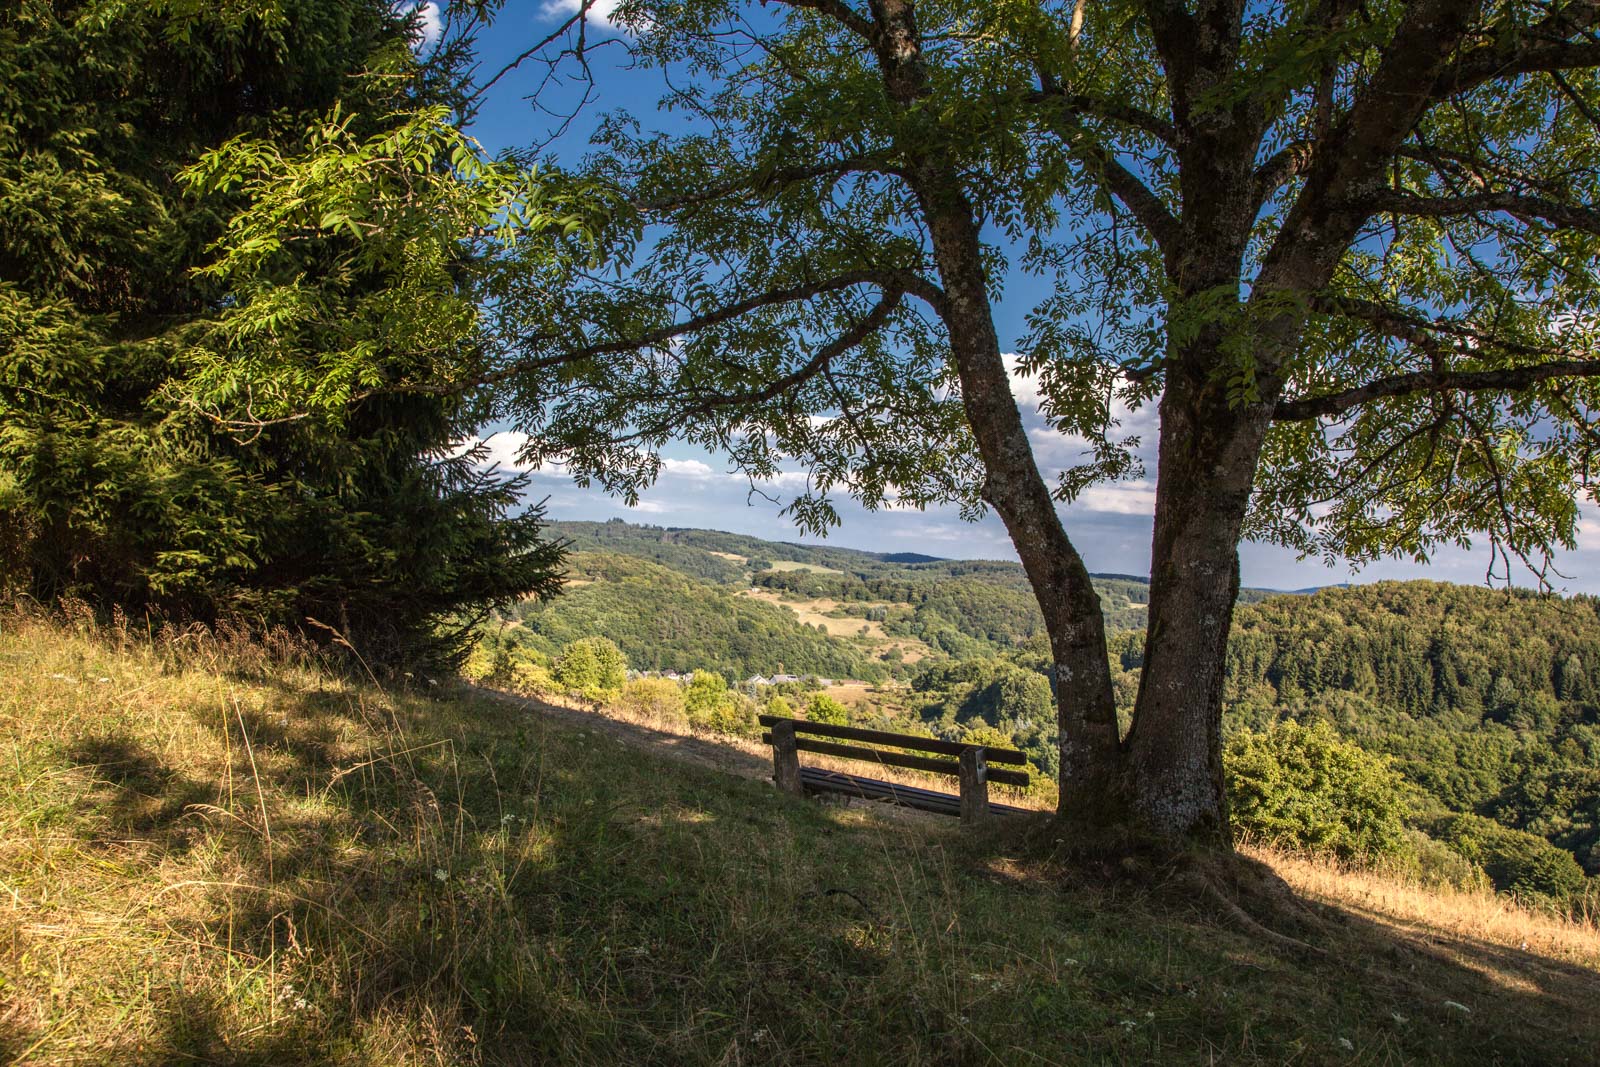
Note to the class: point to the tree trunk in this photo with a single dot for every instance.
(1209, 452)
(1091, 752)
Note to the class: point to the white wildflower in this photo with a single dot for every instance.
(1346, 1044)
(441, 874)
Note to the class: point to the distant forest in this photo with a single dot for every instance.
(1487, 701)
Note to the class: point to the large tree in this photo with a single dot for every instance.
(1346, 249)
(145, 459)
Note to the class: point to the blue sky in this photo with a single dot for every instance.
(1110, 523)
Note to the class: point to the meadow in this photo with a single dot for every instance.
(214, 849)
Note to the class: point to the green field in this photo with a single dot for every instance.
(209, 855)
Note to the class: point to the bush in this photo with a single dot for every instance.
(705, 697)
(1435, 863)
(1303, 787)
(1516, 861)
(823, 708)
(655, 698)
(734, 715)
(593, 667)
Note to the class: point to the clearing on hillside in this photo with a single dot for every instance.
(792, 565)
(226, 855)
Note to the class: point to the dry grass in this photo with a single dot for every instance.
(216, 852)
(1439, 914)
(816, 612)
(791, 565)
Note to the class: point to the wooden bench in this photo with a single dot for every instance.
(790, 737)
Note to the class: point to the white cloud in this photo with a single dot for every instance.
(1025, 387)
(504, 450)
(1120, 498)
(688, 468)
(601, 12)
(431, 27)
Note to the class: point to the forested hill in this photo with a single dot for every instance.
(664, 620)
(1487, 699)
(955, 607)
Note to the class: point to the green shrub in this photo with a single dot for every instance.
(987, 736)
(593, 667)
(655, 698)
(735, 714)
(1304, 787)
(1516, 861)
(705, 697)
(1435, 863)
(823, 708)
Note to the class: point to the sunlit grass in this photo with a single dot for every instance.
(222, 853)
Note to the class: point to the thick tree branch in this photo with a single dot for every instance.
(704, 404)
(840, 12)
(901, 281)
(1570, 216)
(1281, 168)
(894, 282)
(1137, 196)
(1506, 379)
(1544, 46)
(1121, 182)
(1111, 110)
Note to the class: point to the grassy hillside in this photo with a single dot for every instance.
(208, 855)
(940, 607)
(665, 620)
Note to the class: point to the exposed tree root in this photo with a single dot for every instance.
(1220, 885)
(1234, 889)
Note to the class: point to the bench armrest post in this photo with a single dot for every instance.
(786, 759)
(974, 787)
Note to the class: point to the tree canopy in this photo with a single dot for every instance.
(1345, 250)
(229, 236)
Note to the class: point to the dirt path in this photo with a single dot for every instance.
(728, 755)
(703, 752)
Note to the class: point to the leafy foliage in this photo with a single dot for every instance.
(1516, 861)
(823, 708)
(1303, 787)
(593, 667)
(158, 450)
(1481, 697)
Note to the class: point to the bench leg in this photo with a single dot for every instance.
(974, 787)
(786, 759)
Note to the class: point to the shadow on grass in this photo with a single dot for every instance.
(476, 883)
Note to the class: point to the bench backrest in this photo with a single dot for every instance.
(806, 734)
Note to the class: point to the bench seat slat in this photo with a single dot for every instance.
(880, 737)
(817, 780)
(899, 759)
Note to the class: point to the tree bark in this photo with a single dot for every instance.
(1209, 452)
(1092, 782)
